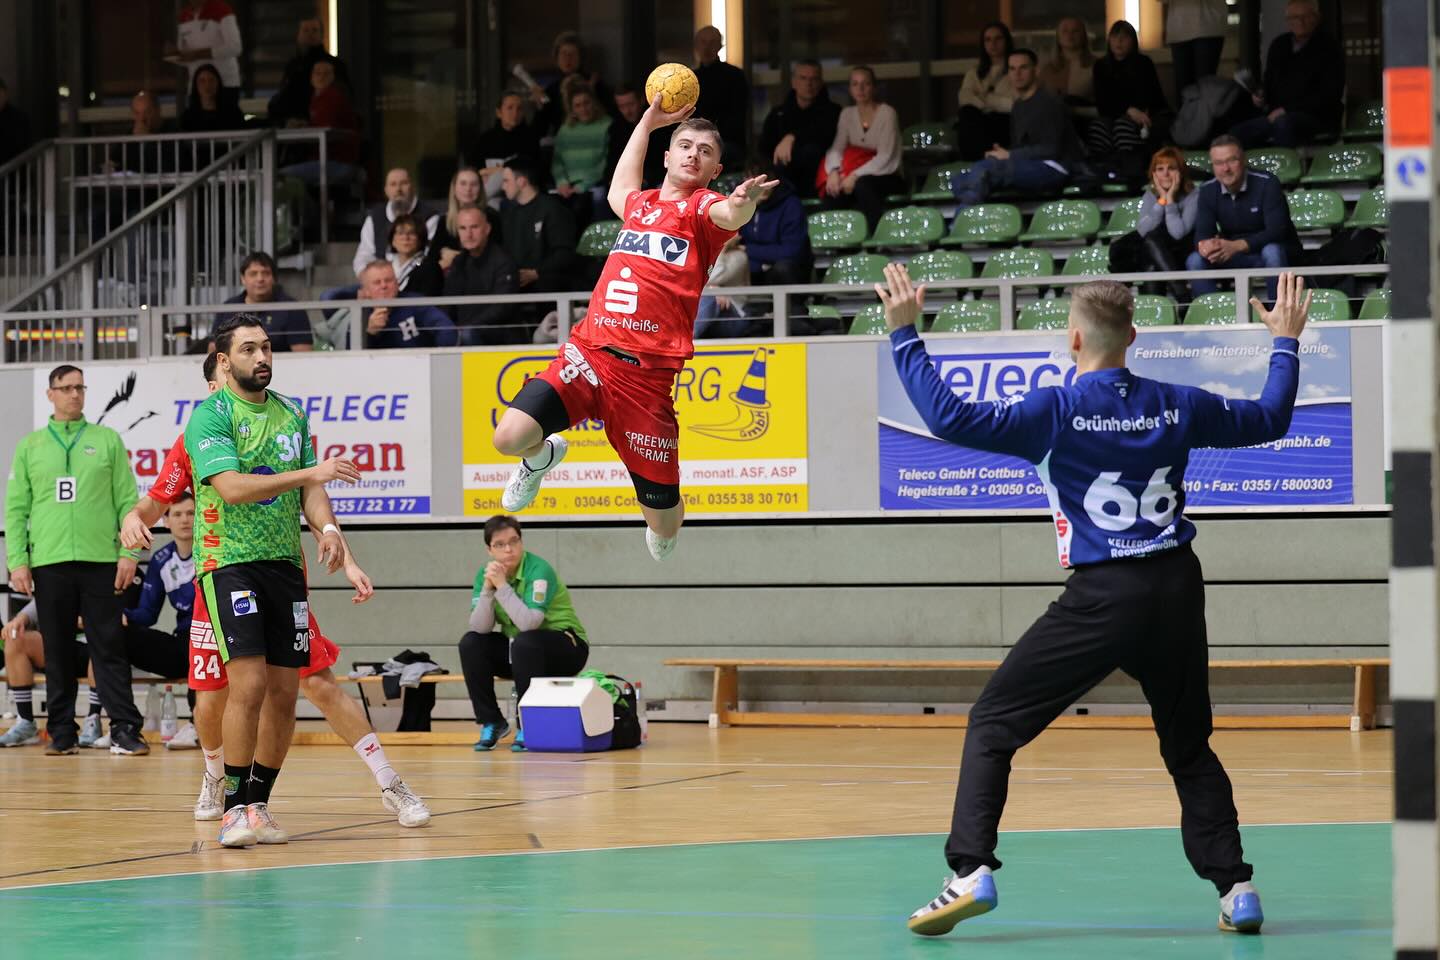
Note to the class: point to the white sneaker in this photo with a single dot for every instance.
(211, 805)
(264, 825)
(402, 801)
(525, 482)
(1240, 910)
(660, 547)
(102, 743)
(186, 738)
(960, 899)
(22, 733)
(90, 730)
(235, 829)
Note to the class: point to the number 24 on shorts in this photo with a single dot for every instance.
(1156, 504)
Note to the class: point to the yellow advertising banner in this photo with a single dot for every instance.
(743, 436)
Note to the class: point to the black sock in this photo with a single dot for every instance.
(262, 780)
(25, 702)
(236, 794)
(190, 699)
(94, 702)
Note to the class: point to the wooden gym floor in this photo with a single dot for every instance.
(1094, 866)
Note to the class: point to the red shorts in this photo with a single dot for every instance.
(207, 670)
(636, 404)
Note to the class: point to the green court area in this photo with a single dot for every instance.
(1068, 894)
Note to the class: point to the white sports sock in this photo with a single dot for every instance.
(550, 447)
(215, 763)
(369, 749)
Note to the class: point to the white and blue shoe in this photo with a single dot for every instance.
(1240, 909)
(960, 899)
(90, 731)
(22, 733)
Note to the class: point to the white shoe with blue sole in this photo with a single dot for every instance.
(960, 899)
(1240, 910)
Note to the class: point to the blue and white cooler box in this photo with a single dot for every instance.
(567, 715)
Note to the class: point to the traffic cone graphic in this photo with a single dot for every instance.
(752, 409)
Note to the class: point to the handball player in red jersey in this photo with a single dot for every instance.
(621, 361)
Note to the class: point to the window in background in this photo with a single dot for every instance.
(419, 65)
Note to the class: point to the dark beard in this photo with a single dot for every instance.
(255, 383)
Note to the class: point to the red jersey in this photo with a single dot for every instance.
(649, 292)
(174, 475)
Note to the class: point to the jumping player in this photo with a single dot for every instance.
(207, 676)
(621, 361)
(1111, 449)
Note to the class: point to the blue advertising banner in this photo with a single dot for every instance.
(1310, 465)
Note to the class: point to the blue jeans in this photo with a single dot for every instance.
(712, 322)
(990, 174)
(1271, 256)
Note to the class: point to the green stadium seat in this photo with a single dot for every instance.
(727, 182)
(1123, 219)
(1018, 262)
(937, 183)
(1316, 209)
(1281, 162)
(858, 269)
(1198, 163)
(1367, 121)
(1329, 305)
(812, 203)
(598, 238)
(907, 227)
(1376, 305)
(869, 322)
(968, 316)
(1061, 220)
(941, 265)
(1371, 210)
(1154, 310)
(1088, 262)
(1214, 309)
(832, 230)
(1045, 315)
(932, 140)
(820, 311)
(1346, 163)
(984, 223)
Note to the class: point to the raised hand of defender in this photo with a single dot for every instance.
(337, 468)
(1287, 318)
(364, 589)
(754, 190)
(655, 118)
(902, 301)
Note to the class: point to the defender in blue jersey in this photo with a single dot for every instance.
(1112, 449)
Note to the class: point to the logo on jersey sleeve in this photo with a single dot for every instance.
(653, 245)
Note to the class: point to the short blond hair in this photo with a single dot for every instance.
(1104, 310)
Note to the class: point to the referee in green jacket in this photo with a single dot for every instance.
(70, 485)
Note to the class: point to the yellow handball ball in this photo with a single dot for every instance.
(676, 84)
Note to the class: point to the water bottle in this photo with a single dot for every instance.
(152, 708)
(640, 711)
(168, 721)
(514, 708)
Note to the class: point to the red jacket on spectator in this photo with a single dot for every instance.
(331, 108)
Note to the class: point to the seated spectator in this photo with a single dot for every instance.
(987, 94)
(1128, 97)
(24, 655)
(539, 233)
(1242, 220)
(798, 133)
(717, 314)
(863, 163)
(290, 107)
(289, 330)
(205, 112)
(511, 136)
(170, 575)
(1166, 227)
(465, 189)
(724, 94)
(14, 128)
(630, 106)
(569, 62)
(483, 268)
(522, 625)
(580, 152)
(399, 198)
(390, 327)
(416, 273)
(209, 35)
(777, 239)
(330, 108)
(1303, 86)
(1044, 148)
(1069, 72)
(148, 157)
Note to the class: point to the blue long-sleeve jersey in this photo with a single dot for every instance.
(1111, 448)
(171, 576)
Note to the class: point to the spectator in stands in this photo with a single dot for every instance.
(205, 111)
(539, 233)
(719, 315)
(14, 128)
(145, 121)
(522, 625)
(404, 326)
(483, 268)
(465, 188)
(290, 107)
(987, 94)
(1242, 220)
(1132, 106)
(289, 330)
(330, 109)
(1303, 86)
(1195, 31)
(776, 239)
(580, 152)
(511, 136)
(416, 273)
(1044, 148)
(210, 34)
(400, 197)
(1168, 209)
(798, 133)
(630, 106)
(863, 163)
(724, 94)
(569, 62)
(1068, 73)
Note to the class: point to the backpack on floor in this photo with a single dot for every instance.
(626, 734)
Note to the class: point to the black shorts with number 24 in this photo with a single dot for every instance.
(260, 609)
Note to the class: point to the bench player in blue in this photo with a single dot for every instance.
(1111, 449)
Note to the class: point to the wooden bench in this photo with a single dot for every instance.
(725, 705)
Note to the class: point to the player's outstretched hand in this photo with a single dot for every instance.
(1287, 318)
(655, 118)
(902, 301)
(337, 468)
(364, 589)
(754, 190)
(332, 552)
(134, 535)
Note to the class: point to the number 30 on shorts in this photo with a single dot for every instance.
(206, 667)
(1156, 504)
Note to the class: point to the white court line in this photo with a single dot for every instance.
(654, 846)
